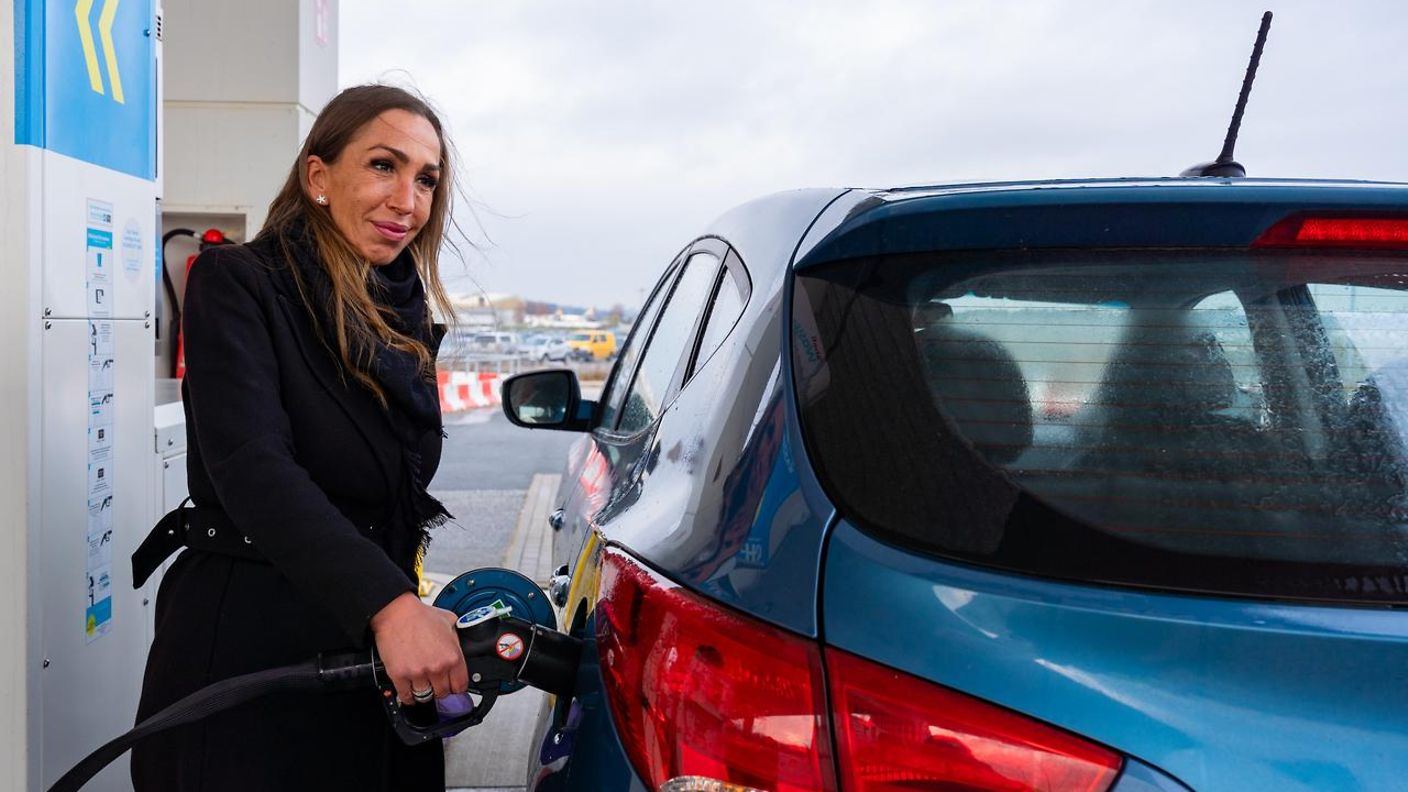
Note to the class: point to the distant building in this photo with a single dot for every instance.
(479, 311)
(487, 310)
(566, 317)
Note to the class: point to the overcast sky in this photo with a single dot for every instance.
(597, 138)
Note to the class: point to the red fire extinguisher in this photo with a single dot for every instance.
(211, 238)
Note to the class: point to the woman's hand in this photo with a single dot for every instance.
(419, 648)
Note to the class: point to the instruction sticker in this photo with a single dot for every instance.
(100, 532)
(132, 249)
(102, 363)
(97, 618)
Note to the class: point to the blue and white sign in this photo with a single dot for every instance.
(97, 618)
(85, 81)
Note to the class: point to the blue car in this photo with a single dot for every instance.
(1079, 485)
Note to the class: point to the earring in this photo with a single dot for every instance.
(322, 200)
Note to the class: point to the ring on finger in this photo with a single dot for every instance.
(423, 696)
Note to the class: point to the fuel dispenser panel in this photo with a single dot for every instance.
(96, 505)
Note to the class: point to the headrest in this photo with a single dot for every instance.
(931, 314)
(1188, 375)
(977, 384)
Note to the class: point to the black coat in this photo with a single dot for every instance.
(307, 465)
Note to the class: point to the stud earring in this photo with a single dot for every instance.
(322, 200)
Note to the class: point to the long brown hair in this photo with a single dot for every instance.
(358, 325)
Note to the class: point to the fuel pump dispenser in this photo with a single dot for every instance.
(507, 631)
(79, 228)
(105, 149)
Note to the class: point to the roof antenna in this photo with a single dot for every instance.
(1224, 165)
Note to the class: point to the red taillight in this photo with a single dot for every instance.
(697, 690)
(897, 733)
(1347, 231)
(702, 695)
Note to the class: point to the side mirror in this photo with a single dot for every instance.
(547, 400)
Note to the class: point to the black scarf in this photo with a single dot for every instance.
(413, 401)
(397, 286)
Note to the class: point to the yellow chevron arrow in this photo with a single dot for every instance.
(90, 54)
(109, 53)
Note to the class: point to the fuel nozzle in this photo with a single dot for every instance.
(499, 647)
(501, 653)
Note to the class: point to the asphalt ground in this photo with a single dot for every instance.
(486, 452)
(488, 470)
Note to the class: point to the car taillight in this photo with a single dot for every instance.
(705, 698)
(896, 732)
(1337, 231)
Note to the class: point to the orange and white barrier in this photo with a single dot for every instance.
(467, 390)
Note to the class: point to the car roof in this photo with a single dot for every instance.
(1133, 212)
(907, 192)
(815, 225)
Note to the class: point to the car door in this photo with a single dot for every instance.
(605, 468)
(672, 339)
(630, 410)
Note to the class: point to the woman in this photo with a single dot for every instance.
(313, 424)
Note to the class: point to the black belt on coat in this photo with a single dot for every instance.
(194, 527)
(207, 529)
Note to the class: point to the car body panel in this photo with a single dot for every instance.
(709, 494)
(1231, 694)
(1222, 694)
(756, 545)
(847, 205)
(1139, 777)
(576, 743)
(718, 495)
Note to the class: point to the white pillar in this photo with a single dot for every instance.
(244, 81)
(19, 431)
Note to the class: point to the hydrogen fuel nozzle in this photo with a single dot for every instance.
(502, 653)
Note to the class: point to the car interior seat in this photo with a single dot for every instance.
(1162, 408)
(922, 474)
(976, 382)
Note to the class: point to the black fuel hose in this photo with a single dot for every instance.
(549, 663)
(222, 695)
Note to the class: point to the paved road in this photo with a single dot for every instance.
(485, 471)
(486, 452)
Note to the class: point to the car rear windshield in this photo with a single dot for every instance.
(1212, 421)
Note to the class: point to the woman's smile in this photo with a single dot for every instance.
(395, 232)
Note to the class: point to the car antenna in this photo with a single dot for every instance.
(1224, 165)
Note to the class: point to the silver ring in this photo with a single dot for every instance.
(423, 695)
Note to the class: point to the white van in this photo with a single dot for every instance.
(502, 343)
